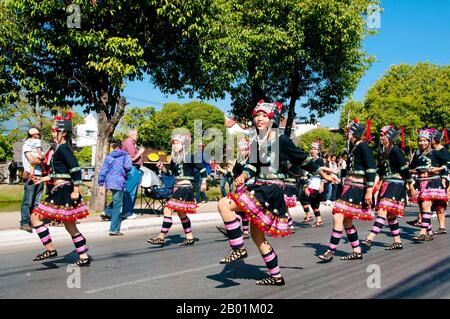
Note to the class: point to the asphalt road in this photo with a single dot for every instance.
(127, 267)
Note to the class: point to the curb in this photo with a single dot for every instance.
(17, 237)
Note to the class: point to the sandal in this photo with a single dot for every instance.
(156, 241)
(246, 235)
(223, 230)
(441, 231)
(271, 281)
(317, 224)
(414, 223)
(353, 256)
(307, 219)
(394, 246)
(82, 262)
(235, 254)
(46, 255)
(186, 242)
(423, 237)
(328, 256)
(367, 243)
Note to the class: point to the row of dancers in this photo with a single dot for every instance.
(267, 175)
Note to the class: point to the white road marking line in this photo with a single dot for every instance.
(89, 292)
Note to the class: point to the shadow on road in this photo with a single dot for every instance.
(237, 270)
(434, 282)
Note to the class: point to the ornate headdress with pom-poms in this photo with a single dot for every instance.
(315, 145)
(273, 111)
(391, 133)
(182, 138)
(357, 129)
(426, 133)
(63, 123)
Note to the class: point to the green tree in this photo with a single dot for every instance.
(292, 51)
(410, 96)
(157, 131)
(134, 117)
(6, 150)
(84, 156)
(332, 143)
(55, 64)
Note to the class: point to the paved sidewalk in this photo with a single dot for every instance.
(11, 220)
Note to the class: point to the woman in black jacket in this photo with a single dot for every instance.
(263, 201)
(183, 200)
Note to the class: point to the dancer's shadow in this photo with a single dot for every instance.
(237, 270)
(172, 240)
(408, 232)
(66, 260)
(320, 249)
(241, 270)
(302, 225)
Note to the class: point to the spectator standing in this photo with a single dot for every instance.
(12, 168)
(113, 176)
(134, 177)
(201, 158)
(327, 190)
(31, 193)
(227, 177)
(334, 166)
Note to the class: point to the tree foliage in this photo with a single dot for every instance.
(6, 148)
(332, 143)
(134, 117)
(157, 130)
(292, 51)
(84, 155)
(410, 96)
(55, 65)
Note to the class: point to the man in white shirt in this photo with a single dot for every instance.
(31, 193)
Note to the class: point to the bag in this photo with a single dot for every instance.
(162, 192)
(159, 192)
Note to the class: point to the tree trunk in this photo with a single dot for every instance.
(291, 116)
(294, 95)
(106, 126)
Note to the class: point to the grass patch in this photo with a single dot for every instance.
(11, 196)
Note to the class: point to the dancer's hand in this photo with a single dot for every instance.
(203, 187)
(102, 190)
(74, 195)
(240, 179)
(307, 193)
(412, 191)
(330, 178)
(368, 197)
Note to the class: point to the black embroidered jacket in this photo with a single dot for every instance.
(64, 164)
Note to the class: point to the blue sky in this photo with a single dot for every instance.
(411, 31)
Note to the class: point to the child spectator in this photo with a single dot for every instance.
(34, 145)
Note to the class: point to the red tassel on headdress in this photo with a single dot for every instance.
(368, 135)
(69, 115)
(445, 133)
(403, 138)
(355, 120)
